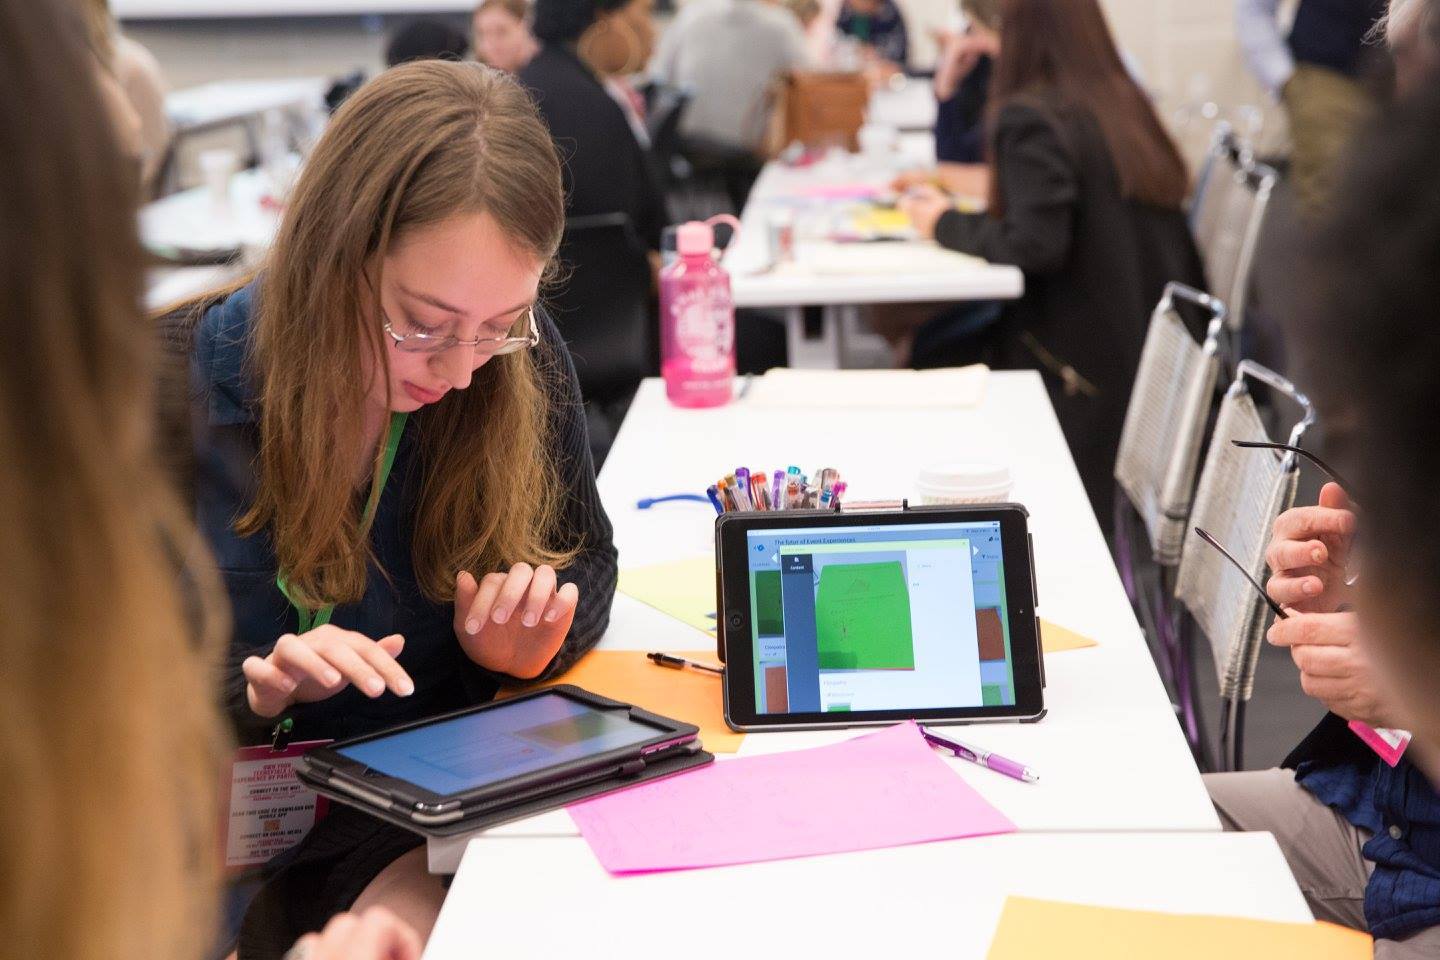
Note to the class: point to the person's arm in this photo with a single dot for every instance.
(1039, 189)
(1266, 53)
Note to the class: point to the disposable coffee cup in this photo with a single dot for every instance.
(961, 482)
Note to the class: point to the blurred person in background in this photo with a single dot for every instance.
(426, 40)
(111, 739)
(730, 55)
(879, 27)
(1317, 71)
(584, 43)
(1086, 198)
(502, 37)
(140, 109)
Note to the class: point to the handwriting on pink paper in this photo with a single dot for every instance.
(886, 789)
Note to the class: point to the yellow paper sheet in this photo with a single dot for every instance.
(1055, 638)
(689, 695)
(686, 591)
(1042, 928)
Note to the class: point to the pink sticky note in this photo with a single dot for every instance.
(840, 191)
(886, 789)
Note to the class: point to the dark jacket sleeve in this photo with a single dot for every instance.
(1038, 184)
(595, 571)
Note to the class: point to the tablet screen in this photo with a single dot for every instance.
(895, 617)
(486, 747)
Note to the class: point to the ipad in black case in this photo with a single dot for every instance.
(501, 760)
(844, 619)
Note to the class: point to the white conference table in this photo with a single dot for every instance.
(1110, 754)
(223, 102)
(842, 277)
(191, 221)
(549, 898)
(1119, 818)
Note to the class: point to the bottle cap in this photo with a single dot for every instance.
(695, 238)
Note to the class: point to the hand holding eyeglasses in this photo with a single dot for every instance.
(513, 623)
(1308, 553)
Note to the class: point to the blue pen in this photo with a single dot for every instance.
(713, 493)
(777, 491)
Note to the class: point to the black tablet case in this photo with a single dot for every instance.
(666, 767)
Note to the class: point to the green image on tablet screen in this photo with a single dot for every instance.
(889, 617)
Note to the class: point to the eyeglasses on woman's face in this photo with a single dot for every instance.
(524, 334)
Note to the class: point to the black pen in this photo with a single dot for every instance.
(680, 663)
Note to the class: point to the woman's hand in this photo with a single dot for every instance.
(513, 623)
(924, 205)
(376, 934)
(319, 664)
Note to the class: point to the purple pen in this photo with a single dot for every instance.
(742, 491)
(777, 491)
(983, 757)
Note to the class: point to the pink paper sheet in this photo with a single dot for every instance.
(886, 789)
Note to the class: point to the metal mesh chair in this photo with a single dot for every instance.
(1155, 469)
(1232, 199)
(1240, 494)
(1165, 421)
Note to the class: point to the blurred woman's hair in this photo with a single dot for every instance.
(109, 737)
(1062, 51)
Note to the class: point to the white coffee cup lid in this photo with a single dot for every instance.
(958, 477)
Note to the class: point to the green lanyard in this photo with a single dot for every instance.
(309, 620)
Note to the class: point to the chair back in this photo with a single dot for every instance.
(1240, 494)
(667, 106)
(602, 306)
(1165, 421)
(1231, 202)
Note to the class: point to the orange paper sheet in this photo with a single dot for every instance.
(1043, 928)
(689, 695)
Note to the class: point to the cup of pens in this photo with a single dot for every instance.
(790, 489)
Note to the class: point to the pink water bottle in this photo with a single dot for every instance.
(697, 322)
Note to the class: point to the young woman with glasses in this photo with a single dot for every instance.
(392, 465)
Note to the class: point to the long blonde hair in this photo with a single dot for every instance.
(109, 739)
(421, 143)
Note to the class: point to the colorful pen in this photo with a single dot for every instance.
(713, 493)
(836, 492)
(742, 488)
(777, 491)
(983, 757)
(680, 663)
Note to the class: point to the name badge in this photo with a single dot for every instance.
(270, 809)
(1388, 744)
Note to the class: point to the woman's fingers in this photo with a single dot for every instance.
(469, 619)
(268, 687)
(517, 581)
(383, 663)
(302, 662)
(563, 603)
(537, 597)
(380, 935)
(343, 656)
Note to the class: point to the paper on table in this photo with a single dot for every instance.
(887, 789)
(1055, 638)
(690, 695)
(1043, 928)
(833, 259)
(888, 389)
(686, 591)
